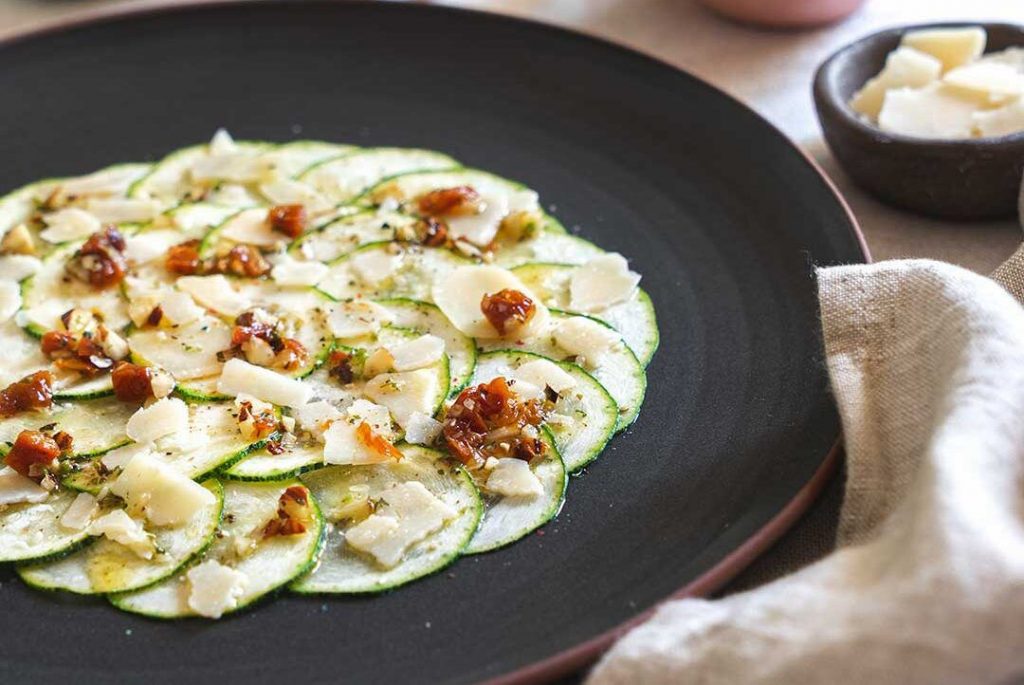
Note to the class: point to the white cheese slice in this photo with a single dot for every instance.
(239, 166)
(460, 292)
(584, 338)
(231, 195)
(931, 112)
(288, 191)
(422, 429)
(16, 488)
(989, 82)
(179, 308)
(147, 246)
(411, 513)
(69, 224)
(417, 353)
(168, 416)
(404, 394)
(481, 228)
(123, 210)
(296, 273)
(214, 588)
(602, 282)
(221, 143)
(250, 226)
(81, 512)
(156, 490)
(513, 478)
(113, 181)
(542, 372)
(1002, 121)
(17, 267)
(905, 67)
(216, 293)
(240, 376)
(316, 417)
(119, 457)
(377, 416)
(121, 528)
(357, 318)
(343, 446)
(373, 267)
(10, 300)
(952, 47)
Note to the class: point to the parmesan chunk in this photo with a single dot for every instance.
(238, 166)
(250, 226)
(996, 122)
(150, 245)
(293, 272)
(221, 143)
(932, 112)
(343, 446)
(602, 282)
(415, 354)
(17, 267)
(122, 528)
(988, 82)
(460, 292)
(69, 224)
(316, 417)
(81, 512)
(287, 191)
(545, 373)
(16, 488)
(214, 588)
(375, 415)
(405, 394)
(216, 293)
(123, 210)
(905, 67)
(373, 267)
(952, 47)
(357, 318)
(422, 429)
(409, 513)
(585, 338)
(112, 181)
(168, 416)
(155, 490)
(10, 300)
(513, 478)
(241, 377)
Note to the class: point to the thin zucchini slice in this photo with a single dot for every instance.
(107, 566)
(343, 491)
(33, 531)
(267, 564)
(290, 159)
(18, 206)
(297, 457)
(507, 519)
(586, 413)
(170, 183)
(618, 369)
(424, 317)
(49, 293)
(415, 270)
(546, 246)
(342, 235)
(634, 319)
(343, 178)
(187, 352)
(96, 426)
(21, 354)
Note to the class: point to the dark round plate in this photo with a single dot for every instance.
(722, 216)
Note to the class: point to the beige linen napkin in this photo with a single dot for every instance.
(927, 585)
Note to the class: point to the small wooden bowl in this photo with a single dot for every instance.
(978, 178)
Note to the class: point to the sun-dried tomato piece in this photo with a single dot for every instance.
(81, 354)
(339, 367)
(32, 454)
(183, 258)
(257, 423)
(288, 219)
(366, 435)
(248, 326)
(64, 441)
(100, 261)
(31, 392)
(507, 309)
(241, 260)
(132, 383)
(456, 201)
(293, 514)
(155, 316)
(487, 420)
(54, 343)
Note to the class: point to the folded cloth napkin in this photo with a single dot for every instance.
(927, 584)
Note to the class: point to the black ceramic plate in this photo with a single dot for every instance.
(721, 215)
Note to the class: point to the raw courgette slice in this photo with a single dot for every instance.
(187, 351)
(33, 531)
(21, 354)
(96, 426)
(414, 270)
(297, 457)
(18, 206)
(49, 293)
(586, 414)
(507, 519)
(546, 246)
(342, 235)
(423, 317)
(618, 369)
(634, 319)
(343, 178)
(169, 181)
(106, 566)
(344, 492)
(267, 564)
(290, 159)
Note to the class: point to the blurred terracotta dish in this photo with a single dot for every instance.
(785, 13)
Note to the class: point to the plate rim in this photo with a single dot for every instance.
(732, 564)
